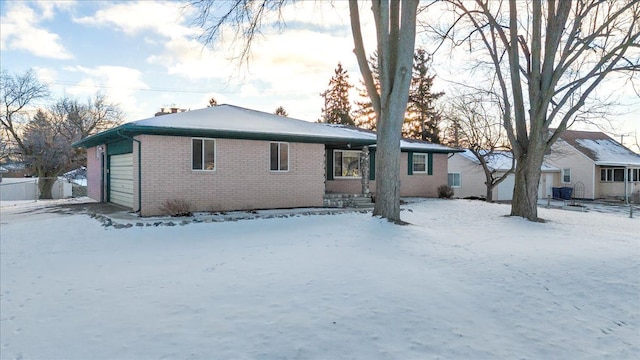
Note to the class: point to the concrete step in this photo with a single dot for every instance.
(369, 205)
(347, 200)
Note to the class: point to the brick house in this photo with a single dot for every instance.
(230, 158)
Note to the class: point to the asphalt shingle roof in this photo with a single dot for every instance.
(601, 148)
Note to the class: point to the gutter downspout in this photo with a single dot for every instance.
(139, 169)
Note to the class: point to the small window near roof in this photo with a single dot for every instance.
(203, 154)
(279, 156)
(419, 163)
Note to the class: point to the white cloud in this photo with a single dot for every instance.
(132, 18)
(46, 75)
(48, 8)
(294, 63)
(188, 58)
(20, 30)
(120, 84)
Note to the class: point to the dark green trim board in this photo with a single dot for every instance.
(120, 147)
(103, 176)
(372, 164)
(329, 161)
(107, 195)
(430, 164)
(410, 163)
(130, 130)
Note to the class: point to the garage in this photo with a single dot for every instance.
(121, 180)
(505, 188)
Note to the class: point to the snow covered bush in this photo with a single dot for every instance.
(445, 192)
(176, 207)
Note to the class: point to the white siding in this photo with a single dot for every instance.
(505, 188)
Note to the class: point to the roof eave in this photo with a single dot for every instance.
(617, 163)
(132, 130)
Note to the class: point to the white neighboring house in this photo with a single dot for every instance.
(14, 189)
(467, 178)
(599, 164)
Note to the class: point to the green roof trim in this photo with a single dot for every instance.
(430, 151)
(131, 130)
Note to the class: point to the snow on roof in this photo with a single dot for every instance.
(501, 160)
(237, 119)
(424, 145)
(405, 144)
(609, 152)
(600, 148)
(228, 121)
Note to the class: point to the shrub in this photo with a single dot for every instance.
(176, 207)
(445, 192)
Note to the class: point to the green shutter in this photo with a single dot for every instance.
(430, 164)
(372, 165)
(329, 161)
(410, 163)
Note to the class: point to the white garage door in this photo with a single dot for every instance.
(505, 188)
(121, 175)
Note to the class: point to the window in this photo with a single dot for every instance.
(566, 176)
(279, 156)
(346, 163)
(617, 174)
(419, 163)
(203, 154)
(454, 180)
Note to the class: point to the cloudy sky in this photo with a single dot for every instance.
(144, 55)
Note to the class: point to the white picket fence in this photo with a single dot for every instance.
(13, 189)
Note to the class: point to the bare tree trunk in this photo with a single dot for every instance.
(388, 166)
(558, 53)
(396, 33)
(45, 185)
(489, 197)
(525, 191)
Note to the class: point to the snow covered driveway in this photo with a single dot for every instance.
(461, 282)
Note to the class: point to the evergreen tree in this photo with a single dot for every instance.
(422, 119)
(365, 115)
(337, 108)
(281, 111)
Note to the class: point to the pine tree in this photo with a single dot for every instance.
(422, 119)
(365, 116)
(281, 111)
(337, 108)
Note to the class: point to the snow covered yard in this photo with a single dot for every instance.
(461, 282)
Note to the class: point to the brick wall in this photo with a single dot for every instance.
(421, 185)
(94, 173)
(242, 179)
